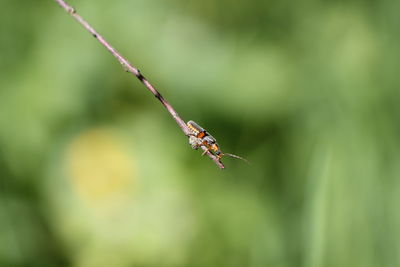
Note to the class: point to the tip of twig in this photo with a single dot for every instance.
(218, 162)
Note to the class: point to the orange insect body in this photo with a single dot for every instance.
(200, 137)
(203, 138)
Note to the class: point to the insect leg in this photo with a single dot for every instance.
(205, 151)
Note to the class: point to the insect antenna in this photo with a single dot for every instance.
(235, 156)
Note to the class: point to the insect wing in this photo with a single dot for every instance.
(196, 129)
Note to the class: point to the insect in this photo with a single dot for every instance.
(200, 137)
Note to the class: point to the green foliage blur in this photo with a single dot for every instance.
(94, 171)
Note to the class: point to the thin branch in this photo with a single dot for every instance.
(135, 71)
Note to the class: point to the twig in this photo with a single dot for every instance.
(129, 68)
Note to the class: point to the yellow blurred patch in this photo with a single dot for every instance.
(98, 166)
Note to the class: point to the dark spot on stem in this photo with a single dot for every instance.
(157, 95)
(94, 35)
(140, 76)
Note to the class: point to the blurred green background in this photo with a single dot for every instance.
(94, 172)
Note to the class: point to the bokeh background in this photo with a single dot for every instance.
(94, 172)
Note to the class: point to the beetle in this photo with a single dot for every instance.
(200, 137)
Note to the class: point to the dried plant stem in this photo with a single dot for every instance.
(129, 68)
